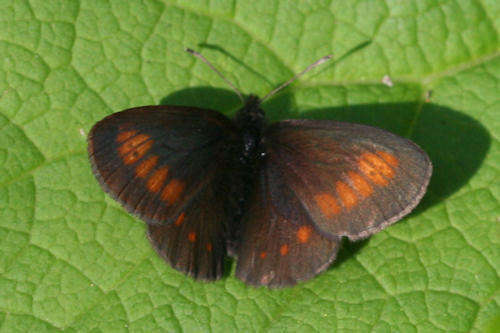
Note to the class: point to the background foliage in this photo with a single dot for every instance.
(71, 258)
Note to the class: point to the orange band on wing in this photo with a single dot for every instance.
(327, 204)
(379, 164)
(389, 158)
(360, 184)
(172, 191)
(146, 166)
(135, 148)
(155, 182)
(125, 135)
(346, 194)
(375, 169)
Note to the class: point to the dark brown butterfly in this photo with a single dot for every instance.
(278, 196)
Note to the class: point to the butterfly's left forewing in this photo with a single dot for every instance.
(172, 167)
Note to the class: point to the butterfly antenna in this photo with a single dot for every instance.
(198, 55)
(311, 66)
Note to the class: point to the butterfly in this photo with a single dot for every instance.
(279, 197)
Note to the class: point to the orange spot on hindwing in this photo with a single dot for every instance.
(263, 255)
(327, 204)
(192, 236)
(360, 184)
(284, 250)
(134, 148)
(346, 194)
(304, 233)
(145, 167)
(172, 191)
(155, 182)
(209, 247)
(180, 219)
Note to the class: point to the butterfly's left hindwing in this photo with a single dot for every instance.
(171, 166)
(196, 242)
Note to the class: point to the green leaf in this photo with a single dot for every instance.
(71, 258)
